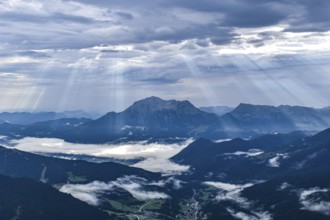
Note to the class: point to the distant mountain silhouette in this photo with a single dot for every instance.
(156, 119)
(268, 119)
(151, 118)
(26, 118)
(218, 110)
(262, 118)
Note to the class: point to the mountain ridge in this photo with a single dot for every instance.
(156, 119)
(23, 198)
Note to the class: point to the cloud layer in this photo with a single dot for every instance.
(154, 156)
(311, 200)
(249, 153)
(232, 193)
(275, 161)
(92, 192)
(87, 192)
(103, 55)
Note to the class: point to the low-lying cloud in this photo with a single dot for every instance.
(232, 192)
(92, 192)
(249, 153)
(284, 186)
(87, 192)
(253, 216)
(310, 199)
(155, 155)
(135, 185)
(131, 150)
(171, 181)
(162, 165)
(275, 161)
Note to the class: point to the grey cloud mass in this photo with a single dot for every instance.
(103, 55)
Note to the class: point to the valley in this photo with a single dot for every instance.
(182, 177)
(164, 110)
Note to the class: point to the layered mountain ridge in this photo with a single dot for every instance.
(155, 119)
(277, 173)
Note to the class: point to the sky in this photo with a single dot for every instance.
(98, 55)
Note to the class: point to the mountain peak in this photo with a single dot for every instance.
(151, 99)
(152, 104)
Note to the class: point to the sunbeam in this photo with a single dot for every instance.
(203, 86)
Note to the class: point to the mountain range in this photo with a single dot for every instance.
(280, 172)
(50, 170)
(218, 110)
(25, 118)
(155, 119)
(278, 176)
(23, 198)
(273, 176)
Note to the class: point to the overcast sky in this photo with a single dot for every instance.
(99, 55)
